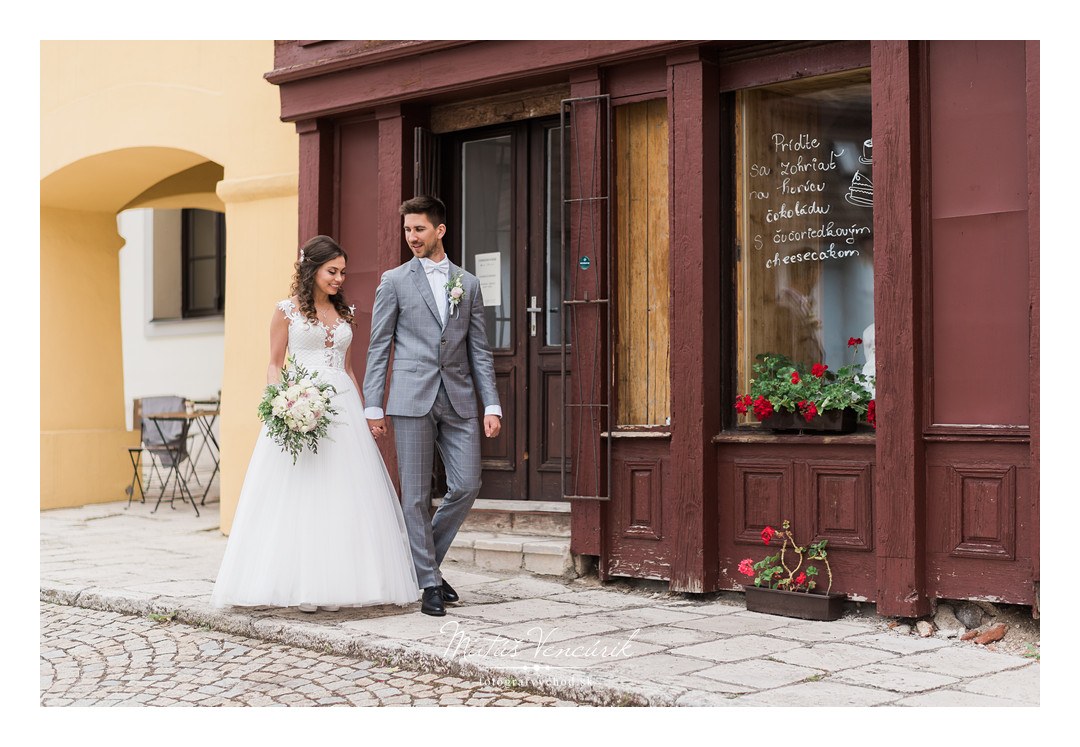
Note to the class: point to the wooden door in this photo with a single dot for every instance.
(545, 326)
(503, 213)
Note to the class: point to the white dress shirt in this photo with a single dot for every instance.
(437, 275)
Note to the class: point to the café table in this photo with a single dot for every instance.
(204, 420)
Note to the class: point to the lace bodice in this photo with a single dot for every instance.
(313, 343)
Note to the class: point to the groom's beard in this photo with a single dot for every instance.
(428, 251)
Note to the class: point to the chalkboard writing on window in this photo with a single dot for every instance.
(805, 207)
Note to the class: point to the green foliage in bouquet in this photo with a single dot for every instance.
(297, 411)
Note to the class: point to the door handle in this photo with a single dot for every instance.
(532, 311)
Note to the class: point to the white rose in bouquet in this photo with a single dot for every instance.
(297, 410)
(279, 403)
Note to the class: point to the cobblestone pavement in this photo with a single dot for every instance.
(90, 657)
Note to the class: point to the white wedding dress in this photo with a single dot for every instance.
(329, 529)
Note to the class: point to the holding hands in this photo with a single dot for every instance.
(492, 426)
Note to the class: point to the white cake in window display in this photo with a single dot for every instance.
(869, 369)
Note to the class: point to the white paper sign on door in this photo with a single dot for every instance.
(489, 273)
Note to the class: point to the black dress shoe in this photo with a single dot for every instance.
(448, 594)
(432, 602)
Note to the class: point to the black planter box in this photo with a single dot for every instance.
(833, 421)
(782, 420)
(830, 421)
(804, 605)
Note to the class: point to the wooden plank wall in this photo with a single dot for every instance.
(643, 263)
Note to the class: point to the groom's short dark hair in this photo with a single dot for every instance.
(427, 205)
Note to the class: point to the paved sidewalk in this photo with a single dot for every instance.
(578, 640)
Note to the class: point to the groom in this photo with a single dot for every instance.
(433, 313)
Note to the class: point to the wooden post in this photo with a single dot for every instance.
(587, 518)
(395, 186)
(316, 179)
(900, 476)
(395, 181)
(1032, 60)
(694, 142)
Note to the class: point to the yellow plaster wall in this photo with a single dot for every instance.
(258, 278)
(84, 439)
(118, 118)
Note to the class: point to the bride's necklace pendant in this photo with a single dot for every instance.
(324, 317)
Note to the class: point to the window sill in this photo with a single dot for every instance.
(755, 436)
(206, 325)
(653, 434)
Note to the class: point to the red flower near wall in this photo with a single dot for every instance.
(794, 377)
(853, 341)
(871, 413)
(808, 409)
(763, 408)
(778, 571)
(742, 402)
(819, 369)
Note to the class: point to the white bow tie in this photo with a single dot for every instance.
(430, 267)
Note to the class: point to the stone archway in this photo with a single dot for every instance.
(84, 437)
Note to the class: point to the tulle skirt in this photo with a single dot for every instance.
(327, 530)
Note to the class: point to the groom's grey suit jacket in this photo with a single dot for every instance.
(425, 352)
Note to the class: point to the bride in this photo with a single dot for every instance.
(328, 531)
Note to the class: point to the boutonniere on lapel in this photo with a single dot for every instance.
(454, 292)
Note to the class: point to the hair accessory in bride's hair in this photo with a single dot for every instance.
(301, 255)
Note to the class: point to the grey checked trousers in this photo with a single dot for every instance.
(458, 442)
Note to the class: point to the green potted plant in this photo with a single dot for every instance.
(790, 586)
(789, 395)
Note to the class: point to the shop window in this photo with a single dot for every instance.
(202, 247)
(642, 263)
(804, 222)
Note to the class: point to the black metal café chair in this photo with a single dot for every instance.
(165, 441)
(143, 471)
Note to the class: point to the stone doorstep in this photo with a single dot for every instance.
(496, 551)
(535, 518)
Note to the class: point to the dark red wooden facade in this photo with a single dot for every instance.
(942, 500)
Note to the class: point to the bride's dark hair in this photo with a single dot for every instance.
(314, 254)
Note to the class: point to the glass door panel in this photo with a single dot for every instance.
(486, 229)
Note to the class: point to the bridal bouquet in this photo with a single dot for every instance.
(297, 411)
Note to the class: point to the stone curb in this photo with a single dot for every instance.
(600, 689)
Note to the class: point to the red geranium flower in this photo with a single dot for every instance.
(763, 408)
(801, 578)
(808, 409)
(746, 567)
(742, 402)
(819, 369)
(767, 534)
(794, 377)
(852, 341)
(871, 413)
